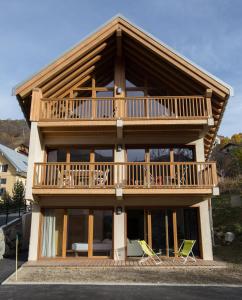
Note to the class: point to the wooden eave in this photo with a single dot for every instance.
(94, 52)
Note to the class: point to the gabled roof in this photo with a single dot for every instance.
(17, 160)
(113, 22)
(141, 49)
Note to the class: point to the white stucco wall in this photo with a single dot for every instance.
(34, 233)
(36, 154)
(199, 146)
(119, 236)
(207, 248)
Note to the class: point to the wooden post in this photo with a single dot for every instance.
(35, 105)
(40, 233)
(149, 225)
(145, 226)
(94, 95)
(174, 220)
(208, 97)
(64, 237)
(92, 169)
(119, 77)
(147, 113)
(90, 233)
(167, 233)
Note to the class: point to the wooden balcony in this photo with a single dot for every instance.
(132, 178)
(168, 110)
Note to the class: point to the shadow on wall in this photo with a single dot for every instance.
(20, 227)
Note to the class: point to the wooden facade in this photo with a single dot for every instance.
(121, 89)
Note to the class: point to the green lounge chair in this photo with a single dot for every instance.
(150, 253)
(185, 250)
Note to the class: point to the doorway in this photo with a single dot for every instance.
(135, 231)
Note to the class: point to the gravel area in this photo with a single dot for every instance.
(231, 275)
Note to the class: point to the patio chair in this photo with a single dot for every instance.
(150, 253)
(102, 178)
(185, 250)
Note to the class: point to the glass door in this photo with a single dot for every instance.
(52, 233)
(136, 228)
(77, 232)
(102, 233)
(162, 231)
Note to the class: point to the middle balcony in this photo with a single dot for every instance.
(198, 178)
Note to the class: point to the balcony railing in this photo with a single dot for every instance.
(125, 175)
(170, 107)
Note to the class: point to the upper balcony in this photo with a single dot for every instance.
(186, 178)
(122, 59)
(191, 111)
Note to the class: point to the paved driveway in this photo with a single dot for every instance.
(117, 292)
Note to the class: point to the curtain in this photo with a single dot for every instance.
(49, 240)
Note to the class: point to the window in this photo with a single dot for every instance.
(103, 155)
(159, 154)
(56, 155)
(3, 168)
(3, 180)
(79, 155)
(183, 154)
(136, 155)
(2, 191)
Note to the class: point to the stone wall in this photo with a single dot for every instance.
(8, 233)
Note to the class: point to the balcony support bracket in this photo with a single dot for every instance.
(210, 121)
(215, 191)
(119, 193)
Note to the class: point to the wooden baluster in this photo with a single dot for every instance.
(179, 179)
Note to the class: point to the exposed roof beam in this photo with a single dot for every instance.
(163, 66)
(73, 67)
(72, 76)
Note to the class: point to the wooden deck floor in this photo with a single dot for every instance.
(98, 262)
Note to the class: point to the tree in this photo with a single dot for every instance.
(236, 138)
(7, 200)
(237, 156)
(18, 194)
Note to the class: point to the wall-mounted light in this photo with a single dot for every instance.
(119, 210)
(119, 148)
(119, 90)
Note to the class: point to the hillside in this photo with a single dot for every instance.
(14, 132)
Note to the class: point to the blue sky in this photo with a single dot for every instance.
(33, 33)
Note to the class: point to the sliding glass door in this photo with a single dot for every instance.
(77, 233)
(52, 233)
(102, 233)
(164, 229)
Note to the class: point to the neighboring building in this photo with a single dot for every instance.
(13, 167)
(228, 148)
(23, 149)
(121, 130)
